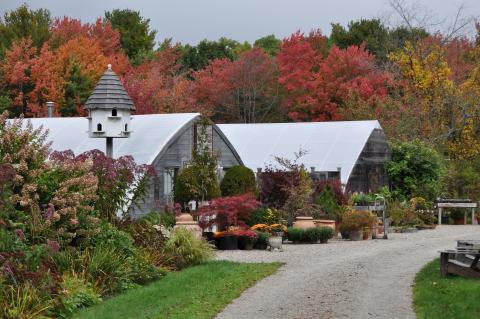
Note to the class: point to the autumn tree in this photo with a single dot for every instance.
(136, 37)
(23, 23)
(316, 87)
(243, 90)
(199, 56)
(270, 44)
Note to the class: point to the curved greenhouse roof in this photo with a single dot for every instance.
(329, 145)
(151, 133)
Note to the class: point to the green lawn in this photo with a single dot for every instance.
(452, 297)
(196, 292)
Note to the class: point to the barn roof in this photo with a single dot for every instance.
(151, 133)
(109, 93)
(329, 145)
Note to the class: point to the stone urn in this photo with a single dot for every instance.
(275, 242)
(303, 222)
(325, 223)
(186, 220)
(355, 235)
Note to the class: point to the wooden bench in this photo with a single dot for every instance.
(462, 262)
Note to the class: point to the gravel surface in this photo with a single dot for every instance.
(343, 279)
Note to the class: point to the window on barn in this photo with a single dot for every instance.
(169, 176)
(99, 127)
(114, 112)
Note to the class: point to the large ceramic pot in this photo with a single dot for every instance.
(227, 242)
(459, 221)
(186, 221)
(325, 223)
(366, 233)
(355, 235)
(275, 242)
(303, 222)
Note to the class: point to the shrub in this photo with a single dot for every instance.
(356, 220)
(325, 233)
(296, 235)
(258, 216)
(227, 211)
(402, 214)
(23, 301)
(76, 293)
(238, 180)
(335, 187)
(184, 249)
(262, 240)
(166, 219)
(112, 236)
(312, 235)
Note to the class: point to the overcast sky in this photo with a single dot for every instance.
(190, 21)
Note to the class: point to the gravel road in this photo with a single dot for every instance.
(343, 279)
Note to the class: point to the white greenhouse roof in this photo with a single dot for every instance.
(329, 145)
(150, 135)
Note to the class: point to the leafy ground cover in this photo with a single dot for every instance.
(452, 297)
(196, 292)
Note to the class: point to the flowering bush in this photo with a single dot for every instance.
(227, 211)
(357, 220)
(261, 227)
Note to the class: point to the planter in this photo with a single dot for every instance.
(324, 223)
(260, 245)
(208, 235)
(246, 243)
(345, 235)
(478, 219)
(459, 221)
(355, 235)
(366, 233)
(303, 222)
(227, 243)
(186, 221)
(275, 242)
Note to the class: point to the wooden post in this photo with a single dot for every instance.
(465, 217)
(110, 147)
(443, 264)
(439, 215)
(473, 217)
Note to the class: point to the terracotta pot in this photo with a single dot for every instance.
(366, 233)
(478, 219)
(355, 235)
(186, 220)
(459, 221)
(325, 223)
(303, 222)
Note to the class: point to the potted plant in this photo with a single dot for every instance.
(226, 240)
(325, 233)
(262, 240)
(458, 217)
(354, 222)
(246, 239)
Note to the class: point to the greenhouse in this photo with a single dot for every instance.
(353, 151)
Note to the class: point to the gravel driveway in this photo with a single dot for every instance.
(343, 279)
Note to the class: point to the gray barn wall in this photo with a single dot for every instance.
(368, 174)
(174, 155)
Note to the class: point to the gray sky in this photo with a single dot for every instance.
(190, 21)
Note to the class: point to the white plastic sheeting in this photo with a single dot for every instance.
(151, 133)
(329, 145)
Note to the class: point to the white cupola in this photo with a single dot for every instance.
(109, 108)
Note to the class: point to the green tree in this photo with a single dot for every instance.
(77, 90)
(136, 37)
(372, 32)
(24, 23)
(197, 57)
(415, 170)
(270, 44)
(402, 34)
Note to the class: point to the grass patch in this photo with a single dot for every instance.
(451, 297)
(196, 292)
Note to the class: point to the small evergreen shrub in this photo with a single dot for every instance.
(258, 216)
(159, 218)
(312, 235)
(262, 240)
(325, 233)
(296, 235)
(238, 180)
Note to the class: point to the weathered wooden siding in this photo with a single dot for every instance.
(368, 174)
(178, 152)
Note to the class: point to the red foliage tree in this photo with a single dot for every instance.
(316, 87)
(228, 211)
